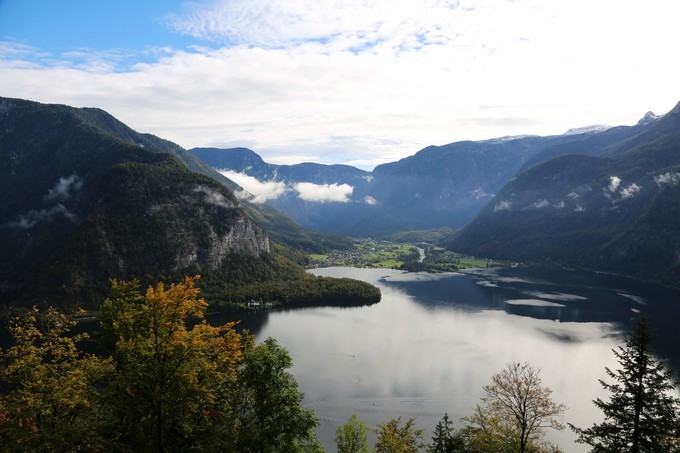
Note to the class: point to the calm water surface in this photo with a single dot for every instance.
(435, 339)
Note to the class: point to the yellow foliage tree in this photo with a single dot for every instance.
(49, 401)
(173, 383)
(174, 386)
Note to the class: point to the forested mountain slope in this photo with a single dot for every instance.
(85, 199)
(438, 187)
(612, 208)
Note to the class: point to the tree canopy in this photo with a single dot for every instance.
(171, 382)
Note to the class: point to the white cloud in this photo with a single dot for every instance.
(256, 191)
(630, 191)
(214, 197)
(369, 200)
(667, 178)
(324, 192)
(393, 76)
(65, 187)
(502, 206)
(261, 191)
(35, 216)
(479, 193)
(541, 204)
(614, 183)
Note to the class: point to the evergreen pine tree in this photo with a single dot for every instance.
(444, 438)
(641, 415)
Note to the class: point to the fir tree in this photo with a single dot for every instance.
(445, 439)
(641, 415)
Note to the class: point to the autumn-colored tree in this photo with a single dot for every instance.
(173, 383)
(174, 387)
(515, 411)
(49, 399)
(641, 414)
(351, 437)
(393, 437)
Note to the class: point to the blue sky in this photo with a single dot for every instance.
(59, 26)
(344, 81)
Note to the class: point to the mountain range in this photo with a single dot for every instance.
(440, 187)
(600, 197)
(86, 198)
(610, 202)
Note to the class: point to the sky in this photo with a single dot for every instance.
(357, 82)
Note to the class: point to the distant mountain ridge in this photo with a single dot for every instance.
(599, 197)
(610, 202)
(438, 187)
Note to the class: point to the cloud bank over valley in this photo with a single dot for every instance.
(258, 191)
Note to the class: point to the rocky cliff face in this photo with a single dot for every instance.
(244, 237)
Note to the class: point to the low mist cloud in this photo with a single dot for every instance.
(64, 188)
(479, 193)
(34, 216)
(261, 191)
(667, 178)
(614, 183)
(324, 192)
(630, 191)
(214, 197)
(541, 204)
(502, 206)
(257, 191)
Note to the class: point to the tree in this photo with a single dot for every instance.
(172, 383)
(445, 439)
(272, 418)
(50, 400)
(173, 387)
(395, 438)
(515, 411)
(351, 437)
(641, 415)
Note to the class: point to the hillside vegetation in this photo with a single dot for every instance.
(613, 208)
(89, 199)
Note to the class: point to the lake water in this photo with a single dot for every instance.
(435, 339)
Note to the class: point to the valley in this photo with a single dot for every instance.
(356, 226)
(396, 291)
(421, 257)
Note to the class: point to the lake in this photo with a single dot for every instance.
(435, 339)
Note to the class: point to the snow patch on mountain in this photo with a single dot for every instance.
(596, 128)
